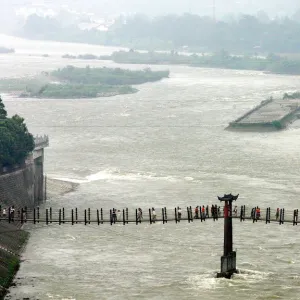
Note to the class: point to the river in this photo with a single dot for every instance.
(163, 146)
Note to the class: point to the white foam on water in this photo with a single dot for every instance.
(70, 237)
(203, 281)
(251, 275)
(73, 180)
(117, 175)
(50, 296)
(113, 174)
(124, 115)
(189, 178)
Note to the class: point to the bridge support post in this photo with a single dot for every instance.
(228, 260)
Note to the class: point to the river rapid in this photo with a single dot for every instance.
(163, 146)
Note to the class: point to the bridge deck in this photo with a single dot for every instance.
(127, 216)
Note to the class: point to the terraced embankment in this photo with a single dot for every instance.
(272, 114)
(12, 242)
(16, 189)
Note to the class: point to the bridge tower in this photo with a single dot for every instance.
(228, 260)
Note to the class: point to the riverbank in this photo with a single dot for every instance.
(13, 239)
(12, 242)
(223, 60)
(73, 83)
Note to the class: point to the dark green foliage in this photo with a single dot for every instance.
(107, 76)
(75, 91)
(277, 125)
(295, 95)
(3, 112)
(81, 83)
(13, 265)
(15, 140)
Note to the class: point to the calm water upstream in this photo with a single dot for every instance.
(164, 146)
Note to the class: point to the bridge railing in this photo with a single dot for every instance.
(41, 141)
(130, 215)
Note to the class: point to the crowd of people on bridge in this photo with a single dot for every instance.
(203, 212)
(255, 213)
(199, 212)
(10, 213)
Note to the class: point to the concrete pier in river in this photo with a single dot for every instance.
(271, 114)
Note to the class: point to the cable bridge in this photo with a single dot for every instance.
(163, 215)
(62, 216)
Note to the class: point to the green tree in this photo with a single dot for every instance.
(15, 140)
(3, 113)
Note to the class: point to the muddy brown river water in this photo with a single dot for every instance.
(164, 146)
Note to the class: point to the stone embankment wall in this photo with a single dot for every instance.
(21, 186)
(17, 188)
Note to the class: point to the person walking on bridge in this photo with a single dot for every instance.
(196, 213)
(214, 212)
(12, 213)
(140, 215)
(4, 213)
(203, 212)
(235, 211)
(277, 214)
(179, 213)
(114, 215)
(257, 213)
(207, 211)
(153, 215)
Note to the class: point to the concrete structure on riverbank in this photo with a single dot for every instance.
(20, 186)
(23, 185)
(271, 114)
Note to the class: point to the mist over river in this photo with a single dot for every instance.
(163, 146)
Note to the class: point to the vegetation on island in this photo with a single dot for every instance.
(72, 82)
(4, 50)
(295, 95)
(110, 76)
(75, 91)
(15, 140)
(242, 34)
(272, 63)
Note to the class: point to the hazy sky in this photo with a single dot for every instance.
(170, 6)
